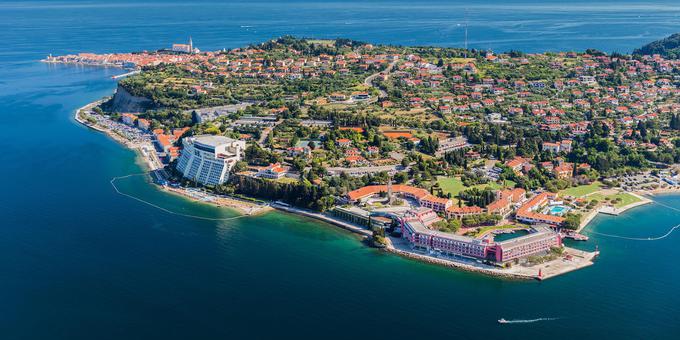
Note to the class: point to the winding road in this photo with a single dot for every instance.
(369, 80)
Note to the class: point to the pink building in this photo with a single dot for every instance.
(540, 240)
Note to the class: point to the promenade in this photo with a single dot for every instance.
(610, 210)
(140, 142)
(322, 217)
(572, 259)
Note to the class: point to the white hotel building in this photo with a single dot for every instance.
(208, 159)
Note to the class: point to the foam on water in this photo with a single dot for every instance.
(530, 320)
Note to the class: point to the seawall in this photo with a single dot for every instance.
(324, 218)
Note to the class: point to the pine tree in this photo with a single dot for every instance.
(675, 122)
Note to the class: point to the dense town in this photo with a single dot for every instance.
(485, 160)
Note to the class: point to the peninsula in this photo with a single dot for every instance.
(467, 158)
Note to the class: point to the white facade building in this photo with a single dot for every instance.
(208, 159)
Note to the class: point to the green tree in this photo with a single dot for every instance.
(572, 221)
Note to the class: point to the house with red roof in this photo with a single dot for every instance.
(273, 171)
(128, 119)
(344, 142)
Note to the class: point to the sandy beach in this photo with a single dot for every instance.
(146, 152)
(242, 206)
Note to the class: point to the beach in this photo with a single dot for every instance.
(146, 152)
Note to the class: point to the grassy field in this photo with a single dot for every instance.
(461, 60)
(626, 198)
(325, 42)
(581, 190)
(454, 185)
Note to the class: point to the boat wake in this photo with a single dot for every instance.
(527, 320)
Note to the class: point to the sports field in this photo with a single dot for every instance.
(454, 185)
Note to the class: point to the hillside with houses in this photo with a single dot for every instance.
(486, 141)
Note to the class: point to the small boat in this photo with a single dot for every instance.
(502, 321)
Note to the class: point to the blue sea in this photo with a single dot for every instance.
(78, 261)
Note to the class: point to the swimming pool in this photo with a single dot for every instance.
(558, 210)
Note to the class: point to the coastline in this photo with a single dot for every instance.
(324, 218)
(609, 210)
(559, 266)
(577, 259)
(146, 152)
(242, 207)
(618, 211)
(660, 191)
(572, 259)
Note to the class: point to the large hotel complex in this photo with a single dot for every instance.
(208, 159)
(415, 228)
(416, 222)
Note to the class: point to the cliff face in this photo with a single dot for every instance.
(123, 101)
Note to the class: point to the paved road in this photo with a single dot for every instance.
(266, 132)
(326, 218)
(369, 80)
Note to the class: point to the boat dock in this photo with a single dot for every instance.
(576, 236)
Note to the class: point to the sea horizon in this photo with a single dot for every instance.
(81, 261)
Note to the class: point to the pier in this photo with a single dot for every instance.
(131, 73)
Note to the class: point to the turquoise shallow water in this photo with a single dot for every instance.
(79, 261)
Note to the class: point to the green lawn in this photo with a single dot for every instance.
(626, 198)
(325, 42)
(451, 185)
(454, 185)
(581, 190)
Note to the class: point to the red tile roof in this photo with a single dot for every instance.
(525, 211)
(371, 190)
